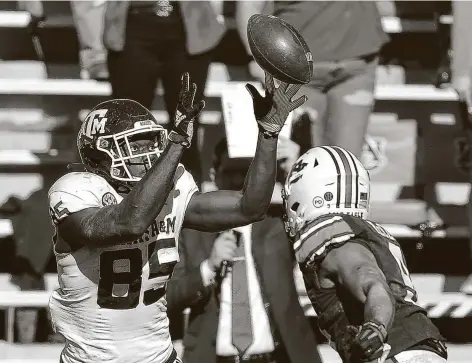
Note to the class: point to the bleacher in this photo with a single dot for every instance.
(416, 149)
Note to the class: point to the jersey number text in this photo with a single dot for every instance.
(132, 278)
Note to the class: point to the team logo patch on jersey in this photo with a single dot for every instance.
(108, 199)
(374, 155)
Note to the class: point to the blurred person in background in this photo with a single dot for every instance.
(345, 38)
(249, 310)
(32, 229)
(150, 40)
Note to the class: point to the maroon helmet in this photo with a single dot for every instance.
(103, 140)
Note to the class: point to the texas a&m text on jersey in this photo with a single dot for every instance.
(110, 305)
(98, 284)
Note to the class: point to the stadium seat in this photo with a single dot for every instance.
(15, 36)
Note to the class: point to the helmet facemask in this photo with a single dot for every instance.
(123, 152)
(293, 216)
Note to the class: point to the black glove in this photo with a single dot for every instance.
(185, 114)
(343, 342)
(272, 110)
(369, 342)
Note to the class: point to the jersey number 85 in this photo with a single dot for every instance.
(132, 278)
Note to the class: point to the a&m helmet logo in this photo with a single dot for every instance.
(95, 123)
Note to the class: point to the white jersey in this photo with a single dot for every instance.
(111, 305)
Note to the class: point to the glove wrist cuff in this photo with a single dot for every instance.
(176, 138)
(379, 327)
(266, 133)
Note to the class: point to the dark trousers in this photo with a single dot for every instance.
(155, 48)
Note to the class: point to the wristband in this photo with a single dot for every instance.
(268, 134)
(176, 138)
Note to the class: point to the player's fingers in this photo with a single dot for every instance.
(190, 130)
(298, 102)
(256, 96)
(193, 91)
(292, 91)
(285, 86)
(185, 82)
(269, 82)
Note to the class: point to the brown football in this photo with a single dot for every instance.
(279, 49)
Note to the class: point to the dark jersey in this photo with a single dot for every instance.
(336, 307)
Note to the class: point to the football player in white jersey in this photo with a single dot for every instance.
(354, 271)
(117, 223)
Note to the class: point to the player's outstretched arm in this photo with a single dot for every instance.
(354, 268)
(220, 210)
(128, 220)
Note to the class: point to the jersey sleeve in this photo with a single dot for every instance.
(189, 187)
(186, 187)
(75, 192)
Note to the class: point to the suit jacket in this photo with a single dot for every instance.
(101, 25)
(274, 263)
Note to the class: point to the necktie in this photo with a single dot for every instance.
(241, 309)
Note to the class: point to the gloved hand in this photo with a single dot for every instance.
(343, 342)
(185, 114)
(272, 110)
(369, 342)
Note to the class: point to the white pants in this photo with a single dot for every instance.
(417, 356)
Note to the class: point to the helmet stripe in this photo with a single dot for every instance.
(338, 171)
(356, 184)
(348, 175)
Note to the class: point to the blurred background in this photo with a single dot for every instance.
(417, 147)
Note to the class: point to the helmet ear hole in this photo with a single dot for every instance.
(295, 206)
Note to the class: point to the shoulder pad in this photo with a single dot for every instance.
(77, 191)
(324, 232)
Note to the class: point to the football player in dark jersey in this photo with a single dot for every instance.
(354, 270)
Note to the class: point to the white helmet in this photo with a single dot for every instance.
(324, 180)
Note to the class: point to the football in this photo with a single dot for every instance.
(279, 49)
